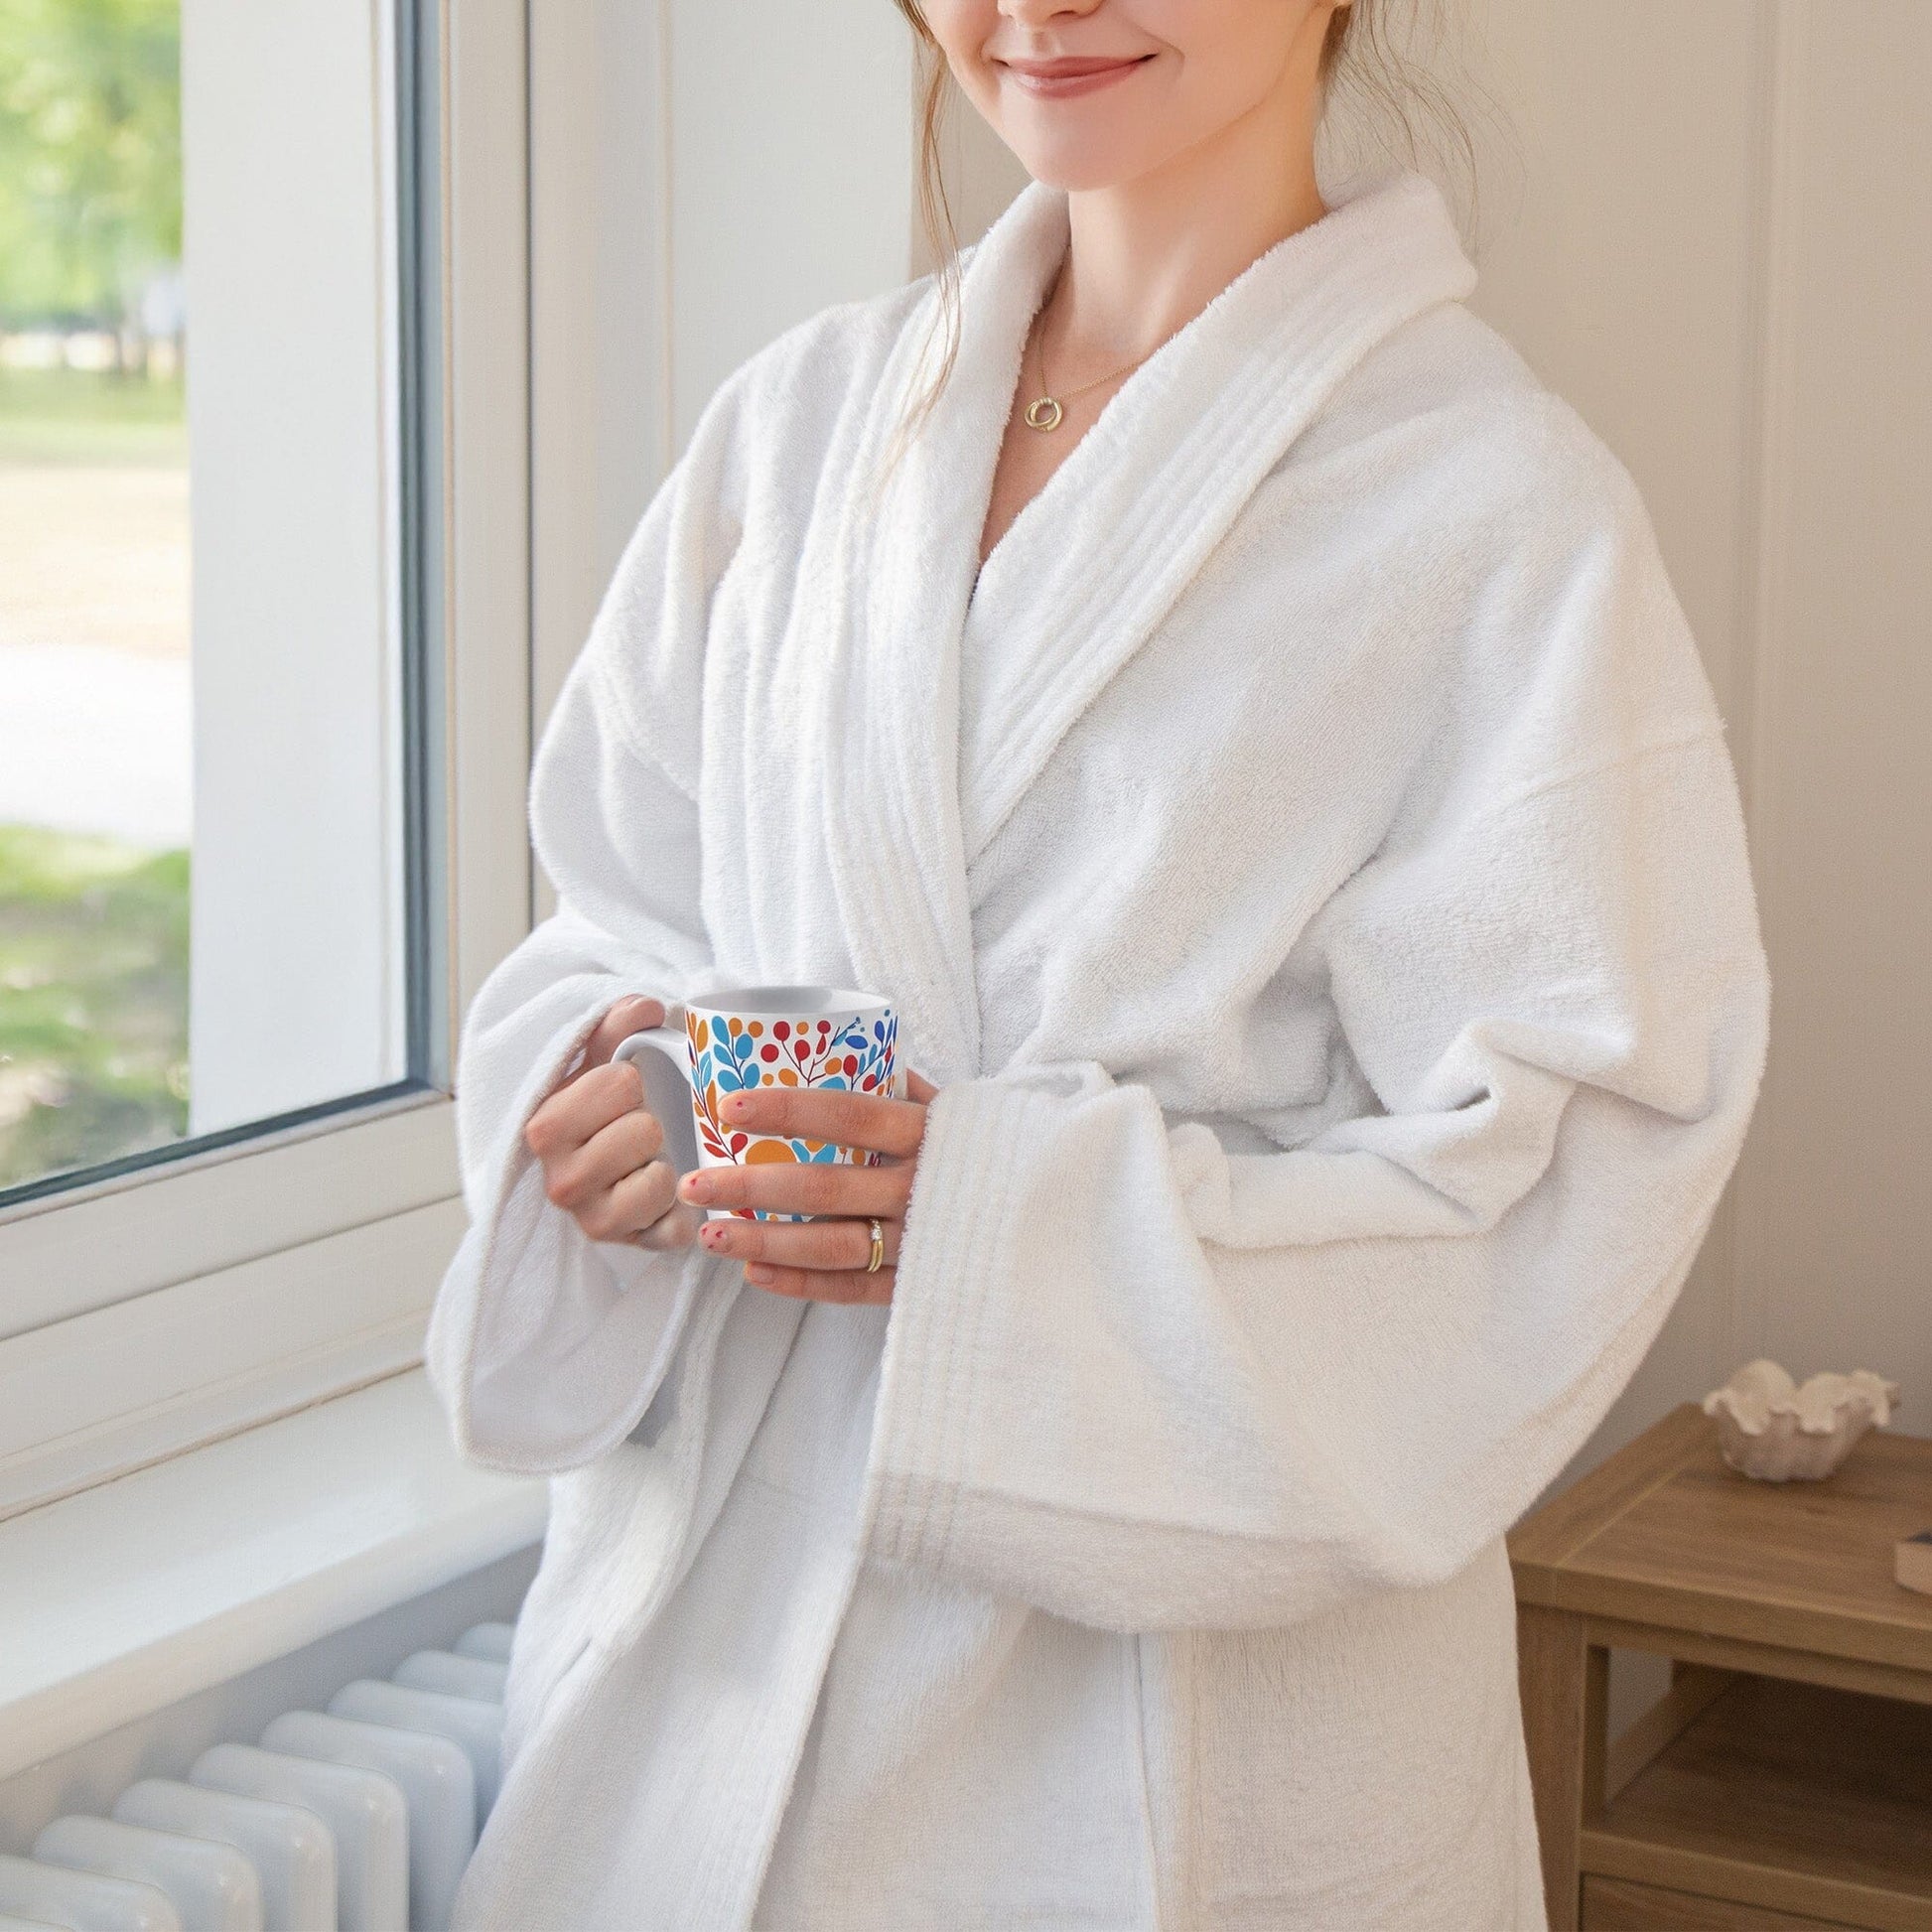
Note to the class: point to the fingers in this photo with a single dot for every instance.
(630, 1014)
(621, 1209)
(576, 1113)
(676, 1229)
(866, 1120)
(809, 1284)
(818, 1245)
(628, 1144)
(599, 1147)
(801, 1188)
(633, 1204)
(614, 1185)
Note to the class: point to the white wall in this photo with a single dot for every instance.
(1835, 1250)
(296, 987)
(689, 203)
(601, 339)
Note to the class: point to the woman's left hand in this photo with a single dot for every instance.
(822, 1260)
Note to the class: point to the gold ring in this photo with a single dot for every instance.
(878, 1249)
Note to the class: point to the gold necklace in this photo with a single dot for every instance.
(1044, 412)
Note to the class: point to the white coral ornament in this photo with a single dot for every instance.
(1770, 1428)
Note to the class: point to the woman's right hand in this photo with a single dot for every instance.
(600, 1146)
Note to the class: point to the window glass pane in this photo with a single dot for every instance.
(204, 726)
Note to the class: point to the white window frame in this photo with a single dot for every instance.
(152, 1311)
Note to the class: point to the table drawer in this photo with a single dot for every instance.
(1617, 1905)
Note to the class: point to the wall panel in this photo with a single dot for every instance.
(1836, 1256)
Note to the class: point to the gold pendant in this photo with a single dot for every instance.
(1043, 414)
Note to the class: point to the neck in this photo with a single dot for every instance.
(1146, 256)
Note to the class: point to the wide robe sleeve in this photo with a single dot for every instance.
(544, 1346)
(1145, 1382)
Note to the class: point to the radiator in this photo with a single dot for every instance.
(356, 1819)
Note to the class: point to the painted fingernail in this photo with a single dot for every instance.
(735, 1105)
(714, 1234)
(695, 1186)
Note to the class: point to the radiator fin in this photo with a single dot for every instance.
(357, 1819)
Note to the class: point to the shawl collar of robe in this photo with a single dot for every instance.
(1086, 571)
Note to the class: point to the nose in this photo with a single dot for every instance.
(1040, 13)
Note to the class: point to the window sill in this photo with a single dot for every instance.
(124, 1598)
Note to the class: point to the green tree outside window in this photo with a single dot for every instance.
(89, 158)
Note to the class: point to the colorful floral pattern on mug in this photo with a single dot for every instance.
(731, 1054)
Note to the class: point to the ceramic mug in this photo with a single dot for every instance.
(823, 1037)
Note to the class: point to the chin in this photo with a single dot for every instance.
(1085, 163)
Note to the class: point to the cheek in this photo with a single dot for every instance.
(963, 28)
(1258, 29)
(1232, 53)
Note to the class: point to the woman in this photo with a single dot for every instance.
(1242, 721)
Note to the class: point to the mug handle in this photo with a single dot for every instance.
(662, 1055)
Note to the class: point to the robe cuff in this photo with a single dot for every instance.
(544, 1347)
(955, 1255)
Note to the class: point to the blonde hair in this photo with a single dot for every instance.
(1362, 61)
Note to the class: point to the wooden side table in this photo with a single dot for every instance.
(1784, 1782)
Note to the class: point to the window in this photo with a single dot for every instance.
(263, 693)
(206, 707)
(94, 709)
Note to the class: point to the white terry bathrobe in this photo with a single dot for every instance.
(1309, 863)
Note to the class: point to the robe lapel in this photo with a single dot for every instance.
(890, 728)
(1087, 570)
(1094, 563)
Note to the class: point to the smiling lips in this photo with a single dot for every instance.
(1070, 75)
